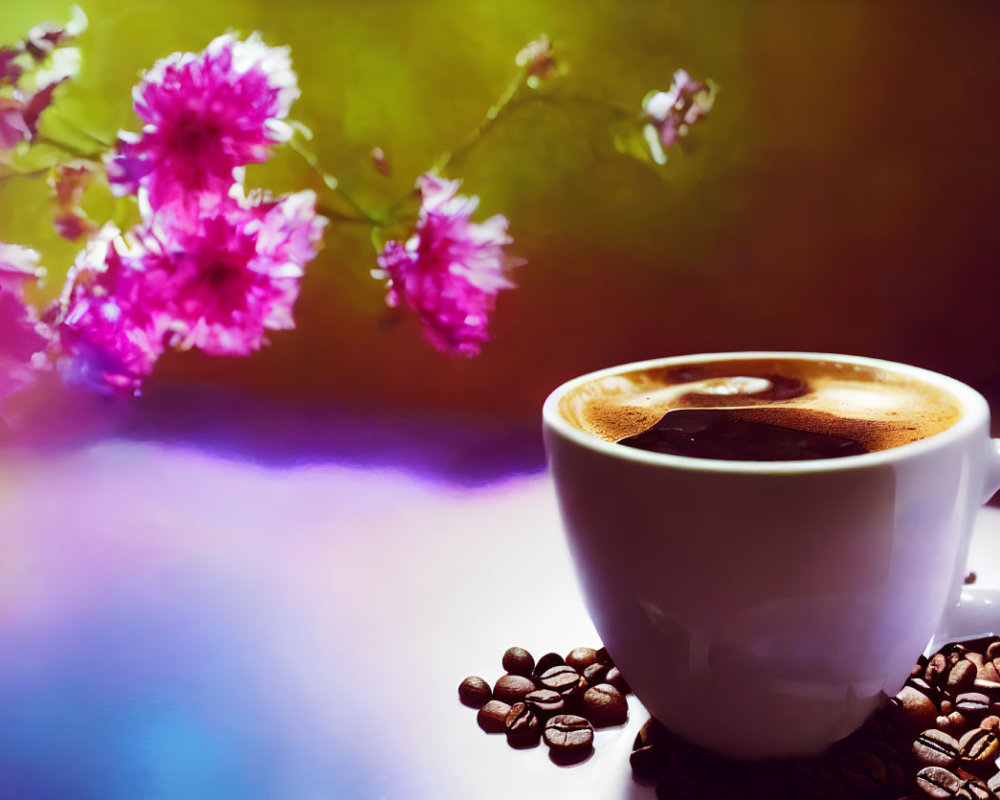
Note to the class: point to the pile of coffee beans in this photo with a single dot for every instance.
(937, 738)
(556, 700)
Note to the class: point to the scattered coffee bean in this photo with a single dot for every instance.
(492, 717)
(970, 579)
(939, 737)
(531, 694)
(545, 703)
(976, 790)
(604, 705)
(568, 733)
(522, 726)
(648, 763)
(915, 710)
(512, 688)
(938, 783)
(474, 692)
(937, 669)
(972, 703)
(565, 680)
(978, 750)
(596, 673)
(604, 657)
(961, 677)
(518, 661)
(934, 748)
(547, 662)
(616, 679)
(581, 657)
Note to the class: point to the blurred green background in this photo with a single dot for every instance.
(842, 195)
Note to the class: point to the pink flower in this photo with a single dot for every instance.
(234, 274)
(450, 270)
(23, 338)
(110, 328)
(674, 111)
(205, 114)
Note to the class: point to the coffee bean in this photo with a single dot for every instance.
(518, 661)
(862, 771)
(569, 735)
(914, 710)
(604, 657)
(545, 702)
(938, 783)
(547, 662)
(947, 706)
(976, 790)
(581, 657)
(988, 672)
(955, 652)
(976, 658)
(596, 673)
(653, 733)
(604, 705)
(648, 763)
(973, 703)
(961, 677)
(934, 748)
(993, 651)
(522, 726)
(954, 724)
(512, 688)
(492, 717)
(616, 679)
(937, 669)
(991, 723)
(474, 692)
(565, 680)
(978, 750)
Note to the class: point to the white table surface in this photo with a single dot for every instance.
(176, 623)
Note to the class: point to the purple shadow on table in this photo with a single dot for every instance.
(466, 450)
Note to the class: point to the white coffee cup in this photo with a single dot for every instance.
(762, 609)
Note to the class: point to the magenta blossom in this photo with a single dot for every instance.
(110, 328)
(450, 270)
(205, 114)
(23, 338)
(674, 111)
(220, 282)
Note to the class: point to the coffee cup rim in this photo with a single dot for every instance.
(974, 411)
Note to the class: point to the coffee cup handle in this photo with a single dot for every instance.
(977, 612)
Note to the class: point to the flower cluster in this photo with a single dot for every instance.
(450, 270)
(672, 113)
(207, 267)
(212, 265)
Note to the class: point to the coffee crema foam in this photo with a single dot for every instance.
(878, 408)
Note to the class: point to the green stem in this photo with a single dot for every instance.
(72, 150)
(333, 185)
(495, 113)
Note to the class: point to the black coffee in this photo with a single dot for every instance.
(719, 433)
